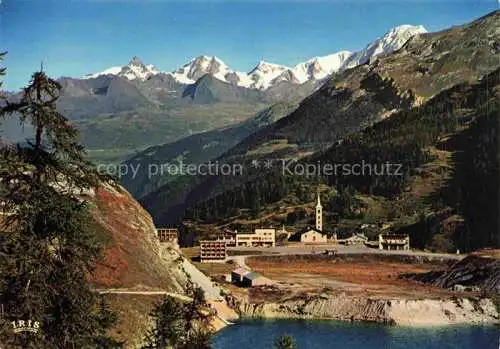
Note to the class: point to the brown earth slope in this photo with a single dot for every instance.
(135, 268)
(133, 256)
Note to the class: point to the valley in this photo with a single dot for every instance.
(153, 259)
(426, 106)
(352, 106)
(117, 137)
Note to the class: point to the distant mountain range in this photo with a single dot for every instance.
(348, 103)
(125, 109)
(265, 74)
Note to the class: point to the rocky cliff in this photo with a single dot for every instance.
(417, 312)
(471, 272)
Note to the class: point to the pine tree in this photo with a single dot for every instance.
(285, 342)
(2, 69)
(2, 73)
(47, 243)
(179, 324)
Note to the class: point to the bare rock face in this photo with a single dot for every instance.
(391, 311)
(471, 272)
(443, 312)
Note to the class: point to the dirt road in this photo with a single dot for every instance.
(317, 249)
(146, 293)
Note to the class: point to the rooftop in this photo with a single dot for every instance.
(241, 271)
(252, 275)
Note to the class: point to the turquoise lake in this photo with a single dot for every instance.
(333, 334)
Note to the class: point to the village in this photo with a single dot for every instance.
(232, 247)
(316, 274)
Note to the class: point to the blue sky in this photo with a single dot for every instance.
(74, 38)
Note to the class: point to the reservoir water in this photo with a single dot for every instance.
(332, 334)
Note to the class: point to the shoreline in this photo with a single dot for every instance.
(423, 326)
(396, 312)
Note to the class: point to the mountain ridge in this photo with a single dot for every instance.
(352, 101)
(137, 105)
(266, 74)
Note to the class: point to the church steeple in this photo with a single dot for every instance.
(319, 214)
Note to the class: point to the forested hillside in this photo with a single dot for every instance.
(401, 87)
(195, 149)
(462, 121)
(351, 100)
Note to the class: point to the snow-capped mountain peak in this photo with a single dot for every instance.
(266, 74)
(200, 66)
(319, 68)
(393, 40)
(109, 71)
(267, 67)
(135, 69)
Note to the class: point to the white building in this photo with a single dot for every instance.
(393, 241)
(259, 238)
(356, 239)
(313, 236)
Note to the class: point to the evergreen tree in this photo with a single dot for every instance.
(179, 324)
(285, 342)
(2, 69)
(47, 244)
(2, 73)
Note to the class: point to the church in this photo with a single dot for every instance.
(314, 234)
